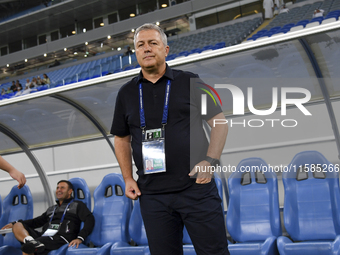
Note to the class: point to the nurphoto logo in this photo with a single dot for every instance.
(239, 100)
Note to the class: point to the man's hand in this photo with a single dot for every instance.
(9, 225)
(204, 174)
(19, 176)
(75, 242)
(131, 189)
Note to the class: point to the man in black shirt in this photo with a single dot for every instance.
(153, 115)
(60, 224)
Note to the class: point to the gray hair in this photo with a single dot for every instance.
(150, 26)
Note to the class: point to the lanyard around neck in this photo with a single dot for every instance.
(62, 218)
(165, 108)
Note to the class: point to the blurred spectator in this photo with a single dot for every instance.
(268, 6)
(173, 2)
(39, 81)
(284, 9)
(18, 85)
(46, 80)
(34, 83)
(28, 83)
(128, 51)
(278, 3)
(9, 90)
(56, 63)
(3, 92)
(276, 10)
(14, 87)
(318, 13)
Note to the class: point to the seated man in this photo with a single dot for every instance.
(284, 9)
(60, 224)
(318, 13)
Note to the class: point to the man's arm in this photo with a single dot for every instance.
(32, 223)
(87, 217)
(218, 137)
(13, 172)
(124, 157)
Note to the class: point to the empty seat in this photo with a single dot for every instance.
(18, 204)
(311, 206)
(253, 217)
(137, 233)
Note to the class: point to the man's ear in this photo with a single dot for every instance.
(167, 49)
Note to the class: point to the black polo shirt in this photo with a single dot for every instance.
(184, 124)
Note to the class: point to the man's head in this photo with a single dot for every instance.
(151, 46)
(64, 190)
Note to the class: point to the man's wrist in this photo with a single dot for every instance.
(80, 238)
(213, 161)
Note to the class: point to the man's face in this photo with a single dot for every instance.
(63, 192)
(150, 50)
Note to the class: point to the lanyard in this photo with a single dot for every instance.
(165, 108)
(62, 217)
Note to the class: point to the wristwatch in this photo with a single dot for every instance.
(213, 161)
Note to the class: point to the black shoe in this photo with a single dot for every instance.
(32, 246)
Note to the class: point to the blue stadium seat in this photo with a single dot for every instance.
(83, 76)
(61, 251)
(105, 69)
(318, 19)
(128, 68)
(253, 217)
(302, 23)
(183, 54)
(18, 204)
(196, 50)
(43, 87)
(219, 45)
(172, 56)
(81, 191)
(0, 207)
(137, 233)
(95, 72)
(207, 47)
(118, 70)
(112, 210)
(311, 206)
(125, 61)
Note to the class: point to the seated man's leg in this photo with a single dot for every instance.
(164, 227)
(203, 218)
(51, 243)
(27, 237)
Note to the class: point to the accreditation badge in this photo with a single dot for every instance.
(52, 230)
(153, 151)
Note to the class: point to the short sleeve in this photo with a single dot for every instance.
(119, 124)
(205, 96)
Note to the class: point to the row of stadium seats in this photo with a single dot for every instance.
(194, 44)
(290, 27)
(310, 213)
(304, 12)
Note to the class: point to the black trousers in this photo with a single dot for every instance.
(51, 242)
(198, 208)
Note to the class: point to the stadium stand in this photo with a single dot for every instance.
(299, 18)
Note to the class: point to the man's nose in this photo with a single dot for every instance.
(147, 47)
